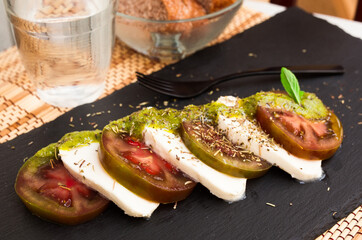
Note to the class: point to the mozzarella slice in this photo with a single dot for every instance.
(242, 132)
(171, 147)
(84, 164)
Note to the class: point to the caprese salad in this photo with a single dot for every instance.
(158, 156)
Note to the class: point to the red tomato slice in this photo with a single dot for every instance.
(50, 192)
(142, 171)
(308, 139)
(142, 156)
(60, 184)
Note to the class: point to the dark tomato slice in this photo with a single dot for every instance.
(50, 192)
(308, 139)
(215, 150)
(142, 171)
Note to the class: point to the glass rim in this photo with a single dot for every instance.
(236, 4)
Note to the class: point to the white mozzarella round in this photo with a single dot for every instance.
(84, 164)
(242, 132)
(171, 147)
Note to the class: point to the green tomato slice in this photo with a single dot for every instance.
(142, 171)
(215, 150)
(304, 138)
(50, 192)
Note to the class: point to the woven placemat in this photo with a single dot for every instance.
(21, 110)
(348, 228)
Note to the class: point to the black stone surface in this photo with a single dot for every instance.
(292, 37)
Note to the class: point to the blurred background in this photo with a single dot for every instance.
(339, 8)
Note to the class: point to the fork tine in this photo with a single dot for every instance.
(151, 78)
(169, 93)
(156, 89)
(147, 82)
(154, 79)
(160, 83)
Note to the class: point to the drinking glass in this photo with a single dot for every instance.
(65, 46)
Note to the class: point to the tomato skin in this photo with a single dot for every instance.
(154, 179)
(55, 218)
(245, 165)
(29, 186)
(307, 139)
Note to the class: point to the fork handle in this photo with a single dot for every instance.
(301, 70)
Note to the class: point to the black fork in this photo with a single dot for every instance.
(187, 89)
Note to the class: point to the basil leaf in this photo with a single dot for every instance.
(301, 93)
(291, 85)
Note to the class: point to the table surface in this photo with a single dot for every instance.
(351, 27)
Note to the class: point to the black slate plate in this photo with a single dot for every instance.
(293, 37)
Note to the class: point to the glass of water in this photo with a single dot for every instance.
(65, 46)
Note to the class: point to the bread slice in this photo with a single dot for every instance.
(183, 9)
(215, 5)
(161, 9)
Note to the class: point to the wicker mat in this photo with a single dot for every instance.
(21, 110)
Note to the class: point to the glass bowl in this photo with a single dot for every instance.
(170, 41)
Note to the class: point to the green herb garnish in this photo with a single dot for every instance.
(291, 85)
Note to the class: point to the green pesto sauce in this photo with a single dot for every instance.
(48, 151)
(134, 124)
(209, 112)
(69, 141)
(311, 106)
(78, 139)
(169, 118)
(40, 158)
